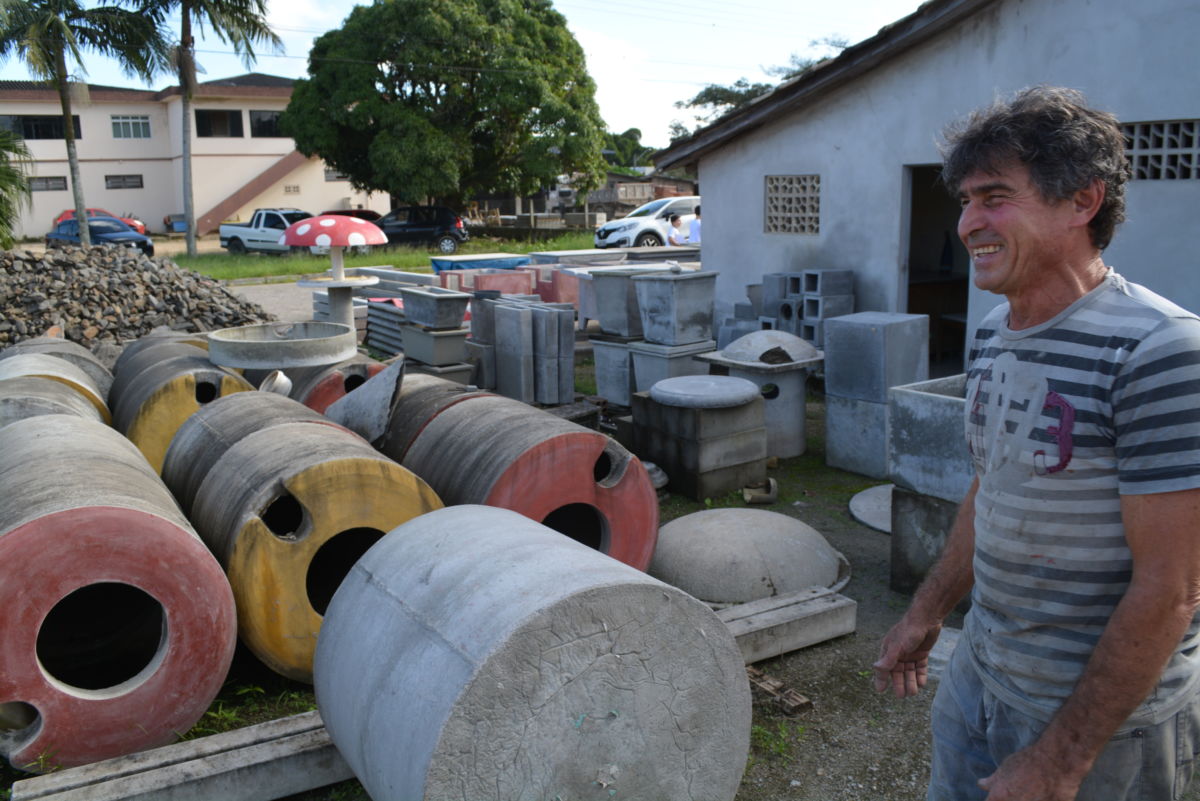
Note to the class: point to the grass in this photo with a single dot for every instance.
(229, 266)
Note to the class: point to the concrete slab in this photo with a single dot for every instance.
(777, 625)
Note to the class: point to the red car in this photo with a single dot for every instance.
(135, 224)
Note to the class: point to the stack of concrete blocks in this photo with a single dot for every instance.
(825, 294)
(715, 444)
(676, 311)
(320, 304)
(433, 333)
(931, 470)
(865, 355)
(609, 295)
(523, 348)
(385, 327)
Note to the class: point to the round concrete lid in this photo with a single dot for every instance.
(704, 391)
(753, 346)
(270, 346)
(740, 555)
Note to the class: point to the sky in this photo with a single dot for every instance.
(644, 57)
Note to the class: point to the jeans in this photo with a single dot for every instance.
(973, 732)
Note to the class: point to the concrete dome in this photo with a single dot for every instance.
(740, 555)
(752, 347)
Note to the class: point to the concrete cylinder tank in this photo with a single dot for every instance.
(30, 396)
(44, 365)
(287, 510)
(73, 352)
(422, 398)
(318, 387)
(502, 452)
(473, 653)
(119, 624)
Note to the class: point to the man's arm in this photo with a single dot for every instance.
(903, 661)
(1144, 630)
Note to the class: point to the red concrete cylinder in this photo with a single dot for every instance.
(119, 624)
(318, 387)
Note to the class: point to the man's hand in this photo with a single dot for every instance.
(904, 658)
(1028, 775)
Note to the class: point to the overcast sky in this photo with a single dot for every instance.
(643, 56)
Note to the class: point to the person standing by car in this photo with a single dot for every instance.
(1077, 674)
(694, 231)
(675, 232)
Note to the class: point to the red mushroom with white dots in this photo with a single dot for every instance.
(335, 231)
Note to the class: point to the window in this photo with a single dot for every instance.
(1163, 151)
(333, 175)
(130, 126)
(291, 189)
(39, 126)
(793, 204)
(218, 123)
(264, 123)
(48, 183)
(122, 182)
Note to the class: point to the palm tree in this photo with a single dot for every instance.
(240, 23)
(14, 189)
(46, 34)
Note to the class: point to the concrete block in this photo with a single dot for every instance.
(927, 452)
(744, 311)
(434, 307)
(483, 316)
(547, 352)
(856, 435)
(676, 308)
(514, 352)
(795, 285)
(828, 282)
(774, 290)
(652, 363)
(482, 359)
(434, 347)
(868, 352)
(614, 370)
(920, 524)
(270, 760)
(754, 293)
(697, 424)
(715, 483)
(812, 332)
(766, 323)
(822, 307)
(782, 623)
(790, 315)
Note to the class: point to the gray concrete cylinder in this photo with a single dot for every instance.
(143, 354)
(45, 365)
(474, 654)
(73, 352)
(205, 436)
(30, 396)
(422, 398)
(119, 625)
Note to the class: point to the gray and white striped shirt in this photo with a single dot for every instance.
(1062, 419)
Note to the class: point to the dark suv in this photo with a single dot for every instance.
(424, 225)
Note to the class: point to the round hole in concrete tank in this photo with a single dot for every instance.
(284, 516)
(332, 562)
(785, 311)
(581, 522)
(101, 635)
(17, 716)
(603, 467)
(206, 392)
(353, 381)
(769, 391)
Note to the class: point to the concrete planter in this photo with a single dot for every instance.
(926, 449)
(617, 302)
(652, 363)
(614, 371)
(676, 308)
(435, 347)
(434, 307)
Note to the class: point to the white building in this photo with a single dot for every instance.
(838, 167)
(130, 144)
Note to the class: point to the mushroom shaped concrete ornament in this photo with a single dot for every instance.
(335, 231)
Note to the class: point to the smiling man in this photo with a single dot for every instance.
(1078, 671)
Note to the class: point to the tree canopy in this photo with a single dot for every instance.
(626, 149)
(428, 98)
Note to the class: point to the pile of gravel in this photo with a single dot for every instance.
(105, 294)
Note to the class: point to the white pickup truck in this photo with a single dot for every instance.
(262, 232)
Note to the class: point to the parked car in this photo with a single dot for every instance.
(104, 231)
(262, 232)
(424, 225)
(132, 222)
(646, 226)
(370, 215)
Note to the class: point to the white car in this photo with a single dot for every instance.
(646, 226)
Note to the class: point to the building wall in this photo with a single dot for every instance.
(1137, 61)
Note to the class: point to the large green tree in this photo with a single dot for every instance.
(626, 149)
(50, 36)
(240, 23)
(447, 100)
(14, 188)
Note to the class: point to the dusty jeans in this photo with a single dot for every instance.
(973, 732)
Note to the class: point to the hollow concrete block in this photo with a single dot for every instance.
(927, 452)
(868, 352)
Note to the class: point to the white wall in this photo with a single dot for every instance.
(1137, 60)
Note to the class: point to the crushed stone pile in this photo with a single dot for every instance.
(105, 294)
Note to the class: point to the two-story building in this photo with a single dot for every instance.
(130, 149)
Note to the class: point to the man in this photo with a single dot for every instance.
(694, 231)
(675, 233)
(1077, 671)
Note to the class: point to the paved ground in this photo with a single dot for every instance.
(285, 300)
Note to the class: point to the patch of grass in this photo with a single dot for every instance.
(585, 376)
(775, 742)
(229, 266)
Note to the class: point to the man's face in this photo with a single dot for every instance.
(1015, 237)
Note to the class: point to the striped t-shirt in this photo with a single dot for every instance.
(1061, 419)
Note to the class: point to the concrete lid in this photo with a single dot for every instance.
(741, 555)
(753, 346)
(271, 346)
(704, 391)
